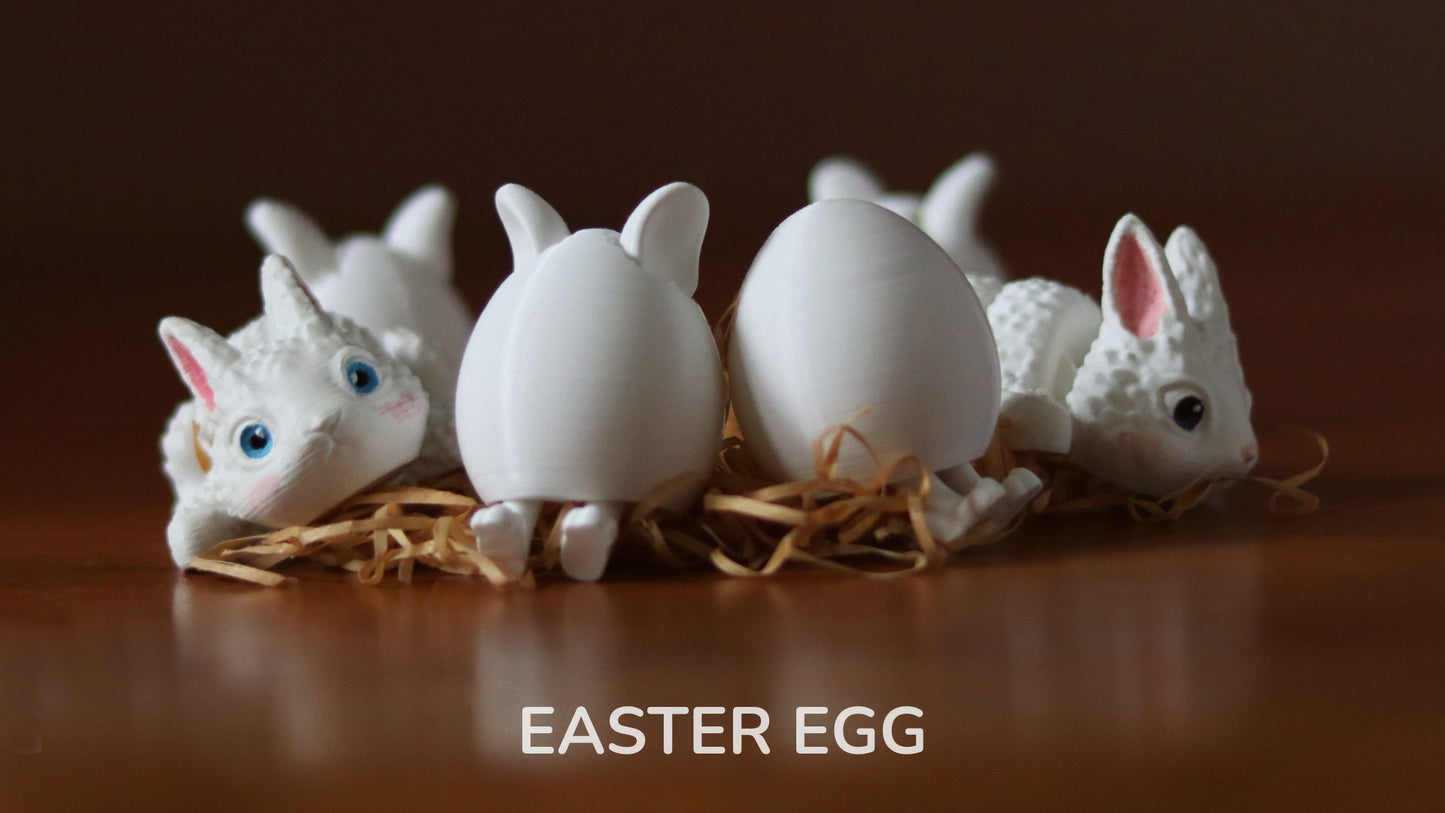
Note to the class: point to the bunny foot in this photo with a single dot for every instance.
(195, 528)
(588, 533)
(504, 533)
(1020, 486)
(1039, 422)
(950, 515)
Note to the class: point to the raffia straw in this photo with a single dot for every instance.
(829, 521)
(372, 534)
(835, 523)
(749, 526)
(1068, 490)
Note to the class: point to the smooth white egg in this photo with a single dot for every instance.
(849, 306)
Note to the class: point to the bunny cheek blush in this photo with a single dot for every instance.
(1143, 451)
(263, 493)
(591, 376)
(1146, 391)
(400, 410)
(287, 419)
(327, 432)
(847, 307)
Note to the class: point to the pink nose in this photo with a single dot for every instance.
(1250, 452)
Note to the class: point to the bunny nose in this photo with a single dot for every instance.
(326, 425)
(1250, 452)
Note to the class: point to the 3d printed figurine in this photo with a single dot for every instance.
(294, 413)
(591, 375)
(396, 285)
(850, 306)
(948, 212)
(1149, 393)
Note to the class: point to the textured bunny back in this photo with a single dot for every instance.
(1039, 324)
(1043, 329)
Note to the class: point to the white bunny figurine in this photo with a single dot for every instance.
(591, 375)
(397, 285)
(1147, 394)
(294, 413)
(948, 212)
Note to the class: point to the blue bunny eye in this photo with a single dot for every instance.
(362, 376)
(256, 440)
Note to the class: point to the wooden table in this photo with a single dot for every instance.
(1232, 660)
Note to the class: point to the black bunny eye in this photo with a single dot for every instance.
(1188, 412)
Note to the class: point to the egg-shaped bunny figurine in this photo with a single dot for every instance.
(294, 413)
(1146, 393)
(591, 375)
(849, 306)
(948, 211)
(396, 284)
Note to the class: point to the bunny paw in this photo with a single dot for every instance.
(1020, 486)
(951, 516)
(504, 535)
(1038, 422)
(588, 533)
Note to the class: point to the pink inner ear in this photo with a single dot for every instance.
(1138, 291)
(191, 369)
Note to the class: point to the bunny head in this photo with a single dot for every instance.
(663, 235)
(947, 212)
(299, 411)
(1160, 397)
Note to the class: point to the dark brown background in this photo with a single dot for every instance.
(1231, 661)
(134, 139)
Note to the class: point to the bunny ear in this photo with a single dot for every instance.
(1197, 275)
(532, 225)
(1139, 290)
(421, 227)
(949, 211)
(840, 177)
(665, 233)
(199, 353)
(285, 299)
(283, 229)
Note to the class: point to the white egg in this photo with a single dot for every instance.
(849, 306)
